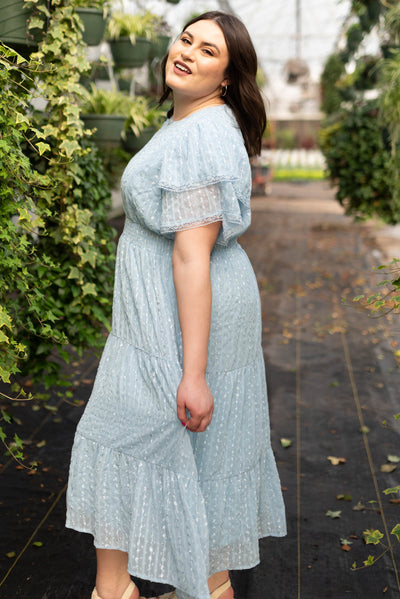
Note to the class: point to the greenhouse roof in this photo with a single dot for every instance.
(272, 25)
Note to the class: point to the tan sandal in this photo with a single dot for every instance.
(127, 594)
(214, 595)
(221, 589)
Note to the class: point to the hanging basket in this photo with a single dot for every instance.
(128, 55)
(14, 25)
(108, 128)
(94, 25)
(296, 70)
(133, 143)
(159, 47)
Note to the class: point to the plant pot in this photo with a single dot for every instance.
(14, 25)
(94, 25)
(108, 128)
(128, 55)
(124, 84)
(159, 47)
(133, 144)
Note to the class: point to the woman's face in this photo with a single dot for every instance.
(197, 62)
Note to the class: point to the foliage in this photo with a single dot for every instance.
(333, 70)
(390, 99)
(388, 298)
(354, 37)
(392, 23)
(298, 174)
(144, 24)
(374, 536)
(143, 115)
(103, 5)
(20, 216)
(63, 289)
(102, 101)
(360, 163)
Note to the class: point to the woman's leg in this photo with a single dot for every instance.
(112, 577)
(218, 579)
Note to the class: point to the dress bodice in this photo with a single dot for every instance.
(192, 172)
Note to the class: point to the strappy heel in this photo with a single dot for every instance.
(214, 595)
(221, 589)
(127, 593)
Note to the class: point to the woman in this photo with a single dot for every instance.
(166, 502)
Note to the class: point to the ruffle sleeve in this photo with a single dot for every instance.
(205, 177)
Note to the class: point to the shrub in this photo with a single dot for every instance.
(359, 162)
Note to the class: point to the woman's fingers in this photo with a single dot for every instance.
(198, 425)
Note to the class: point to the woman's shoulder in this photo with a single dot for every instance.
(205, 147)
(211, 121)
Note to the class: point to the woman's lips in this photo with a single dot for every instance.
(181, 68)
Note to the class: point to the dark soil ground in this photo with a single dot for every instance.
(332, 370)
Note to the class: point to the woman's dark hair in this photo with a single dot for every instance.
(243, 95)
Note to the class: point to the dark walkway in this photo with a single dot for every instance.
(331, 371)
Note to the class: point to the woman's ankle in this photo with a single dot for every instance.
(109, 590)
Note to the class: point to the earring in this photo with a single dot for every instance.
(224, 91)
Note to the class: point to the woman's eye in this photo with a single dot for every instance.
(208, 52)
(185, 40)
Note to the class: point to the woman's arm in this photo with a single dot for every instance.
(191, 269)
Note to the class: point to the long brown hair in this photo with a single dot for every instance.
(243, 95)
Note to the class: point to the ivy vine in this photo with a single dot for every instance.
(56, 247)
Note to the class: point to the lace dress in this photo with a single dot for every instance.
(183, 505)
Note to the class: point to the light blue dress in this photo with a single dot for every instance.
(183, 505)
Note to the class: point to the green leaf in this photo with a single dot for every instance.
(37, 544)
(3, 436)
(392, 490)
(286, 442)
(89, 289)
(333, 514)
(393, 459)
(6, 417)
(70, 146)
(370, 561)
(42, 147)
(372, 536)
(4, 338)
(396, 531)
(36, 23)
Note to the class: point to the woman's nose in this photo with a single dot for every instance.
(187, 54)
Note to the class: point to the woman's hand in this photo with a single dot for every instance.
(194, 396)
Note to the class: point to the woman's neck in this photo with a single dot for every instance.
(184, 107)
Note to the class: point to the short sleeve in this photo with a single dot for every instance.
(205, 177)
(190, 208)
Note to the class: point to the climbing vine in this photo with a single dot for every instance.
(56, 247)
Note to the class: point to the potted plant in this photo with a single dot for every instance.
(106, 111)
(93, 14)
(144, 120)
(161, 39)
(130, 38)
(14, 26)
